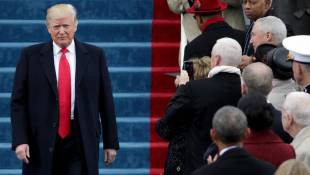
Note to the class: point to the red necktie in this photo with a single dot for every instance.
(64, 95)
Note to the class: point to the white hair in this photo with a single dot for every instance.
(297, 104)
(229, 50)
(273, 25)
(60, 11)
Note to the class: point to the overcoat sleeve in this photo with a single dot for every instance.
(19, 117)
(106, 108)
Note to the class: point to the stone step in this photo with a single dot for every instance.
(126, 104)
(130, 155)
(130, 129)
(102, 171)
(94, 9)
(120, 54)
(123, 80)
(88, 31)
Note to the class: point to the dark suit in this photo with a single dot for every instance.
(203, 44)
(236, 161)
(34, 105)
(197, 101)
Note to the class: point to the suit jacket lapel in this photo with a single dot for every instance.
(82, 58)
(47, 60)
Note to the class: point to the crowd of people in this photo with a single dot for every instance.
(245, 110)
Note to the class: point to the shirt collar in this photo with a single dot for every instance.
(70, 48)
(228, 148)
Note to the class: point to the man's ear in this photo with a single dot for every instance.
(287, 121)
(217, 60)
(244, 89)
(300, 70)
(247, 133)
(269, 36)
(213, 134)
(268, 3)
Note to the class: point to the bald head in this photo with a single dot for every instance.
(258, 78)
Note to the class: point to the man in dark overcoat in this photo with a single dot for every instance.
(195, 102)
(61, 102)
(208, 15)
(229, 129)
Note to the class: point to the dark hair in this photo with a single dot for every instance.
(261, 52)
(257, 110)
(276, 59)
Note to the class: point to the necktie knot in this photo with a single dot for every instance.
(64, 50)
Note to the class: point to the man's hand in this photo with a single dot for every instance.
(246, 60)
(109, 156)
(212, 160)
(22, 152)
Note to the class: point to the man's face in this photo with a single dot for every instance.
(255, 9)
(284, 120)
(258, 37)
(62, 30)
(297, 72)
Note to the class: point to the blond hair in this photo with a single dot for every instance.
(61, 11)
(201, 67)
(293, 167)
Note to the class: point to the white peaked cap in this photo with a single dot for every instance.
(299, 46)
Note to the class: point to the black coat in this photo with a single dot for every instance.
(236, 161)
(194, 104)
(297, 15)
(203, 44)
(34, 105)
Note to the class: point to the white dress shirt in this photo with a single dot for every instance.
(71, 57)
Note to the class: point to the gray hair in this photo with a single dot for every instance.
(229, 50)
(258, 78)
(230, 124)
(273, 25)
(297, 104)
(60, 11)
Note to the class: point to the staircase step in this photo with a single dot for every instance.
(88, 30)
(95, 9)
(164, 54)
(125, 79)
(130, 155)
(102, 171)
(166, 31)
(162, 11)
(126, 104)
(158, 154)
(117, 54)
(130, 129)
